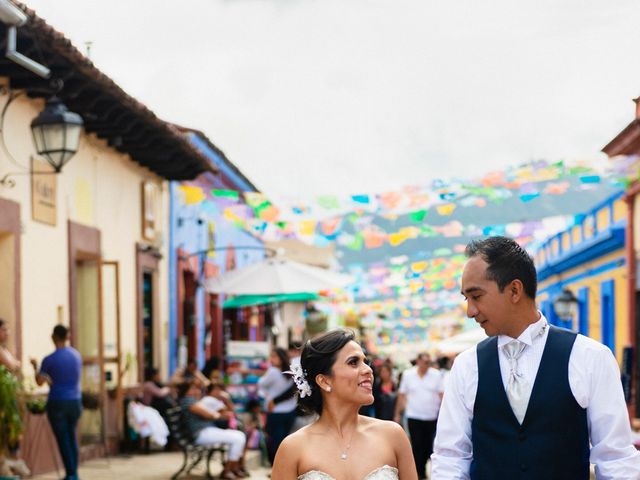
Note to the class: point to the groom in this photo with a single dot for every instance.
(532, 401)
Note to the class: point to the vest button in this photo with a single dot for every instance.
(524, 467)
(522, 436)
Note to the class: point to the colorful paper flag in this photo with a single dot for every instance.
(446, 209)
(192, 195)
(228, 194)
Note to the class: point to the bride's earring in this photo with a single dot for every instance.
(328, 389)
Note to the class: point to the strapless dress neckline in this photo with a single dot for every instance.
(385, 472)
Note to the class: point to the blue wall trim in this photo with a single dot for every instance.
(173, 281)
(618, 262)
(608, 315)
(603, 243)
(607, 201)
(583, 311)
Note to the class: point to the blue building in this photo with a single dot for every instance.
(203, 243)
(589, 260)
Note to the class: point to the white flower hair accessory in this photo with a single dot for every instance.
(300, 380)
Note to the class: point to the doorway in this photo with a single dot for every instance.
(88, 333)
(10, 272)
(90, 293)
(147, 304)
(635, 382)
(189, 314)
(7, 287)
(147, 321)
(213, 326)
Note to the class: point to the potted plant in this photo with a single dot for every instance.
(11, 426)
(34, 402)
(36, 405)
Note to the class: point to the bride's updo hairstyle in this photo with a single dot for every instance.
(317, 358)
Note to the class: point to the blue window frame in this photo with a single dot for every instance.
(546, 307)
(607, 305)
(583, 311)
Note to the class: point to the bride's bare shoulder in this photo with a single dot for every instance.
(299, 438)
(381, 427)
(290, 455)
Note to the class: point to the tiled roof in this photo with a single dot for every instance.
(107, 110)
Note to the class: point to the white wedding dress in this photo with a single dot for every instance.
(383, 473)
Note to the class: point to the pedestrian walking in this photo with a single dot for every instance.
(532, 401)
(273, 383)
(302, 418)
(385, 393)
(419, 396)
(62, 370)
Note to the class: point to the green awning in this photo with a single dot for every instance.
(246, 300)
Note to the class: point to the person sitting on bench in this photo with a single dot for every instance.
(200, 421)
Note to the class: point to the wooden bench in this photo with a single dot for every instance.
(193, 454)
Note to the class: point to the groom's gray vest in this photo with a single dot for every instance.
(553, 441)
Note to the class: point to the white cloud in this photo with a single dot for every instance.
(310, 97)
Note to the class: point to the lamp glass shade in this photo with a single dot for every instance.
(564, 305)
(56, 133)
(563, 309)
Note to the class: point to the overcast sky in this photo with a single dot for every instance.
(313, 97)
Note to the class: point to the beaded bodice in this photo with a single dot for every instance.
(383, 473)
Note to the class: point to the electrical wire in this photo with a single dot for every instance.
(12, 96)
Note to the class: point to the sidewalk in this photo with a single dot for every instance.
(155, 466)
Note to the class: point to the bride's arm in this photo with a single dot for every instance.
(406, 465)
(285, 465)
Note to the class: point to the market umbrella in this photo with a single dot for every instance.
(249, 300)
(276, 275)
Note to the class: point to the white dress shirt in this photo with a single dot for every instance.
(594, 379)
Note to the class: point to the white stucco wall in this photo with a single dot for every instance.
(100, 188)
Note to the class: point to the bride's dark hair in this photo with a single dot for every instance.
(317, 358)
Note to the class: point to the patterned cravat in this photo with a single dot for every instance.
(518, 389)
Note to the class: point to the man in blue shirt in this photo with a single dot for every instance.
(62, 370)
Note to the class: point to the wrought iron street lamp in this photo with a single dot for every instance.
(565, 305)
(56, 133)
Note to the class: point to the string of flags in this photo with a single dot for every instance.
(354, 221)
(399, 296)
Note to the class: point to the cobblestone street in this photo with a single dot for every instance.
(155, 466)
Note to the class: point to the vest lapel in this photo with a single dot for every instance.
(535, 391)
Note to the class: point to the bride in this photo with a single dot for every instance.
(334, 381)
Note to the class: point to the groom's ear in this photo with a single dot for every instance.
(516, 290)
(323, 382)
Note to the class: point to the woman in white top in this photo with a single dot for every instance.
(7, 359)
(334, 380)
(281, 417)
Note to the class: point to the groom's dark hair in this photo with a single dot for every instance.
(317, 358)
(506, 262)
